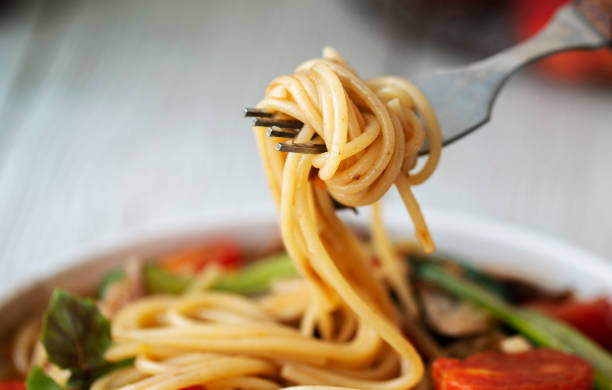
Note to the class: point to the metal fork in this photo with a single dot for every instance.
(463, 98)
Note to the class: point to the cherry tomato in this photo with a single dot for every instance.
(538, 369)
(576, 66)
(12, 385)
(593, 318)
(189, 261)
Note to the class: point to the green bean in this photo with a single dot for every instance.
(253, 279)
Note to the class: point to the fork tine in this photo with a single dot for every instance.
(301, 148)
(276, 131)
(255, 112)
(340, 206)
(283, 124)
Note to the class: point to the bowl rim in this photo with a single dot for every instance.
(443, 223)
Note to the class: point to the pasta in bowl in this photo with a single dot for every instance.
(234, 288)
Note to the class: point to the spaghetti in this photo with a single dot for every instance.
(335, 326)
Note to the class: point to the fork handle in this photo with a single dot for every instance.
(598, 13)
(464, 97)
(582, 25)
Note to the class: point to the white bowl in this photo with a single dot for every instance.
(483, 243)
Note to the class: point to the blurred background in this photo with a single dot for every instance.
(121, 117)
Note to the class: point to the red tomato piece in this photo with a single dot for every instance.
(12, 385)
(194, 387)
(593, 318)
(538, 369)
(189, 261)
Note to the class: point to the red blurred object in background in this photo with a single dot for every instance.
(593, 318)
(578, 66)
(223, 252)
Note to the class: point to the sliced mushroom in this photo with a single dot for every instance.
(452, 317)
(469, 346)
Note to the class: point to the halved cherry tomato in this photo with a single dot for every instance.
(575, 66)
(12, 385)
(538, 369)
(189, 261)
(593, 318)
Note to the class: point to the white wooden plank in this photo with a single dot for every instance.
(135, 122)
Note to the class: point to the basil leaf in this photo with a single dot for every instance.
(83, 380)
(74, 333)
(38, 380)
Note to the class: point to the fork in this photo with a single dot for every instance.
(463, 98)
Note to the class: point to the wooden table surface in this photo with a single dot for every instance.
(124, 116)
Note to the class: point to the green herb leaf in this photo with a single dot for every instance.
(110, 367)
(38, 380)
(74, 333)
(84, 379)
(110, 278)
